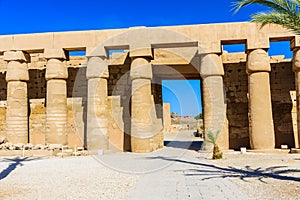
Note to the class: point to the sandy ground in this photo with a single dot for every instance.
(263, 176)
(174, 170)
(61, 178)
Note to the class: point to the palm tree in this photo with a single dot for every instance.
(212, 138)
(283, 12)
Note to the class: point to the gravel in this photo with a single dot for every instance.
(61, 178)
(263, 176)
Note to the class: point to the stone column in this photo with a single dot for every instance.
(296, 69)
(145, 127)
(17, 101)
(56, 100)
(97, 110)
(260, 105)
(214, 103)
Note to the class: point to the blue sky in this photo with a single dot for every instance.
(32, 16)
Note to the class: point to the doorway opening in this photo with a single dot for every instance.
(182, 118)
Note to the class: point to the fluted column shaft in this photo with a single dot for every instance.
(145, 127)
(97, 111)
(214, 103)
(260, 105)
(296, 69)
(56, 100)
(17, 101)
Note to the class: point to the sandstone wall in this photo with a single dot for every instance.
(236, 86)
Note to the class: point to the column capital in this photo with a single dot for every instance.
(140, 68)
(16, 56)
(97, 67)
(258, 61)
(55, 54)
(211, 65)
(56, 69)
(17, 69)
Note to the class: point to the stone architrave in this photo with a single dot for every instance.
(56, 100)
(17, 101)
(260, 106)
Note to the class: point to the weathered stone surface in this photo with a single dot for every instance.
(140, 69)
(261, 119)
(55, 53)
(15, 56)
(258, 61)
(97, 68)
(2, 140)
(97, 122)
(17, 71)
(145, 126)
(215, 109)
(56, 69)
(167, 117)
(177, 46)
(56, 116)
(211, 65)
(17, 112)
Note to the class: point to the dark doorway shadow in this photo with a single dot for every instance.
(189, 145)
(14, 163)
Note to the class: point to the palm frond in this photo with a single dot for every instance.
(291, 23)
(212, 138)
(285, 6)
(283, 12)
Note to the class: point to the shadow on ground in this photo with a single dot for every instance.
(210, 171)
(14, 163)
(189, 145)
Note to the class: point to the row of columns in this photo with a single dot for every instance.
(17, 76)
(260, 106)
(261, 126)
(145, 127)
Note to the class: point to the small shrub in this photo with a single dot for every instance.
(212, 138)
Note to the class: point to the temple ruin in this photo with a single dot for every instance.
(111, 98)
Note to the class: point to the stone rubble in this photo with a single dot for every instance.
(62, 151)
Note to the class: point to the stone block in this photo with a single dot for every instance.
(211, 65)
(97, 68)
(56, 69)
(140, 68)
(33, 42)
(55, 53)
(6, 43)
(15, 56)
(258, 61)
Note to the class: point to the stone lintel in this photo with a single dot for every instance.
(210, 47)
(16, 56)
(258, 41)
(211, 65)
(140, 52)
(97, 67)
(258, 61)
(98, 51)
(55, 54)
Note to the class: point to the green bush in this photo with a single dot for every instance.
(212, 138)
